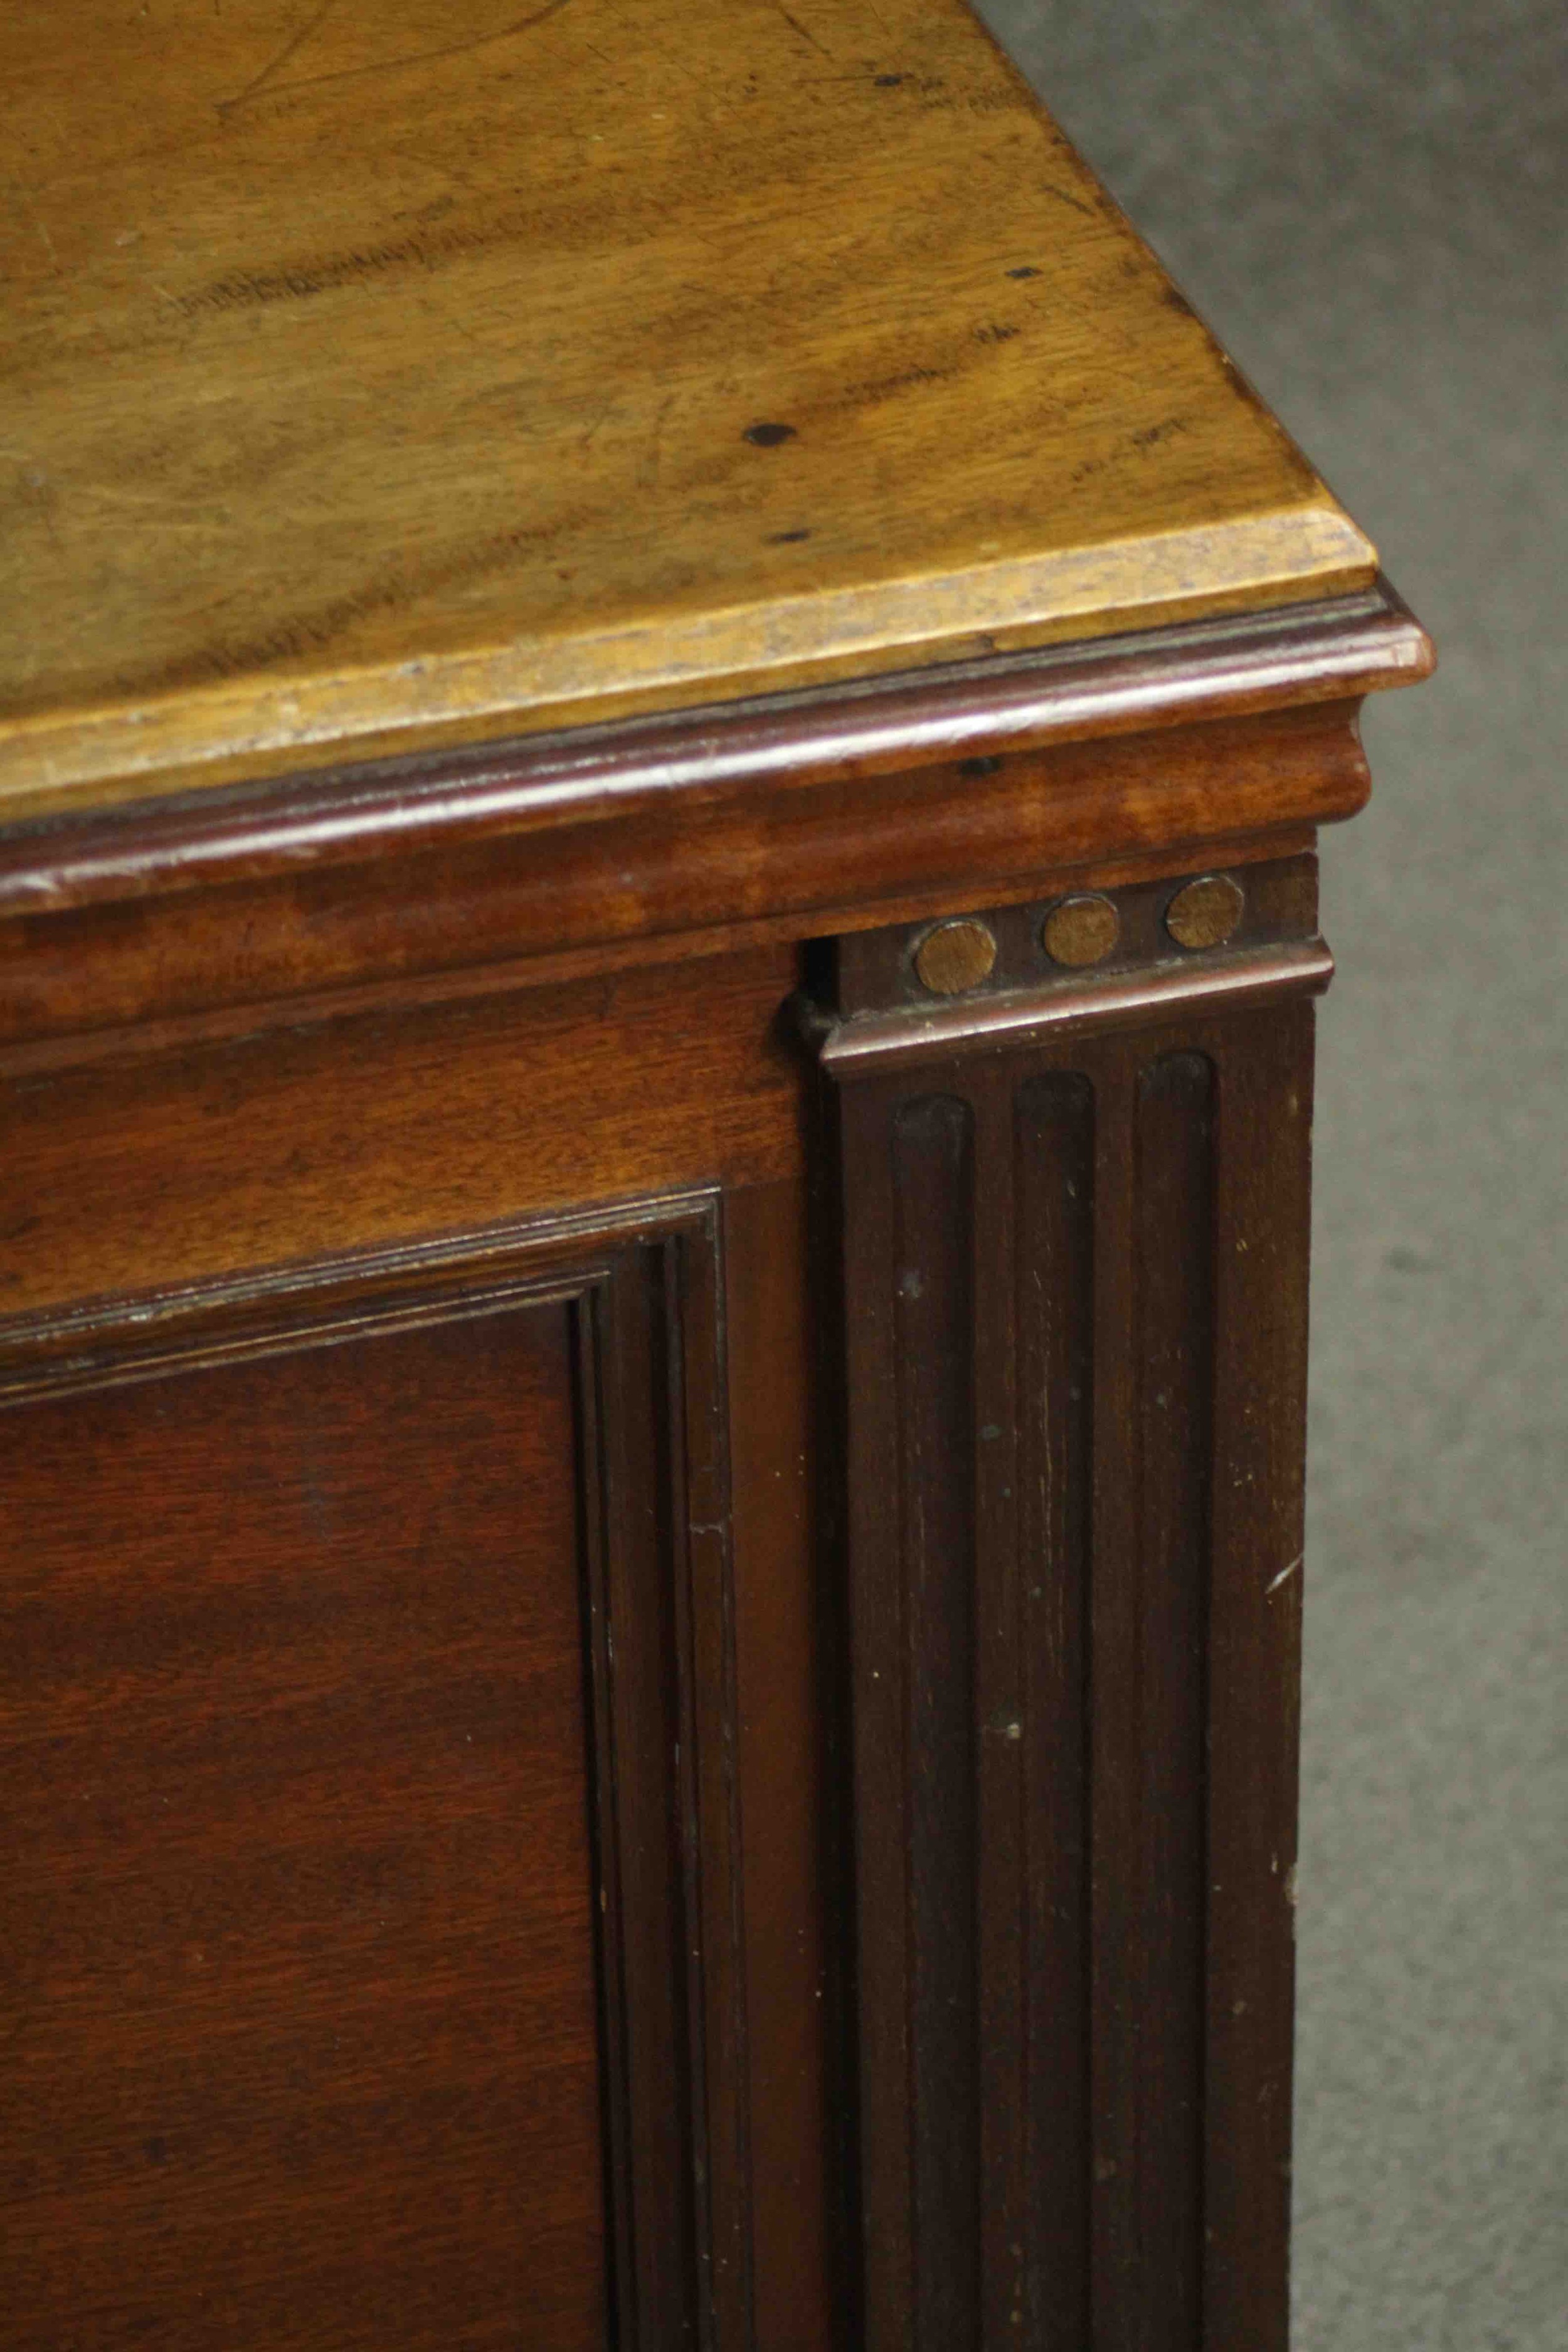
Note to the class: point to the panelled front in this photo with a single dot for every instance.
(485, 1861)
(1076, 1329)
(546, 1799)
(369, 1950)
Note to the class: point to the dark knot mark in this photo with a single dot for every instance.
(1025, 272)
(768, 436)
(986, 765)
(886, 81)
(786, 538)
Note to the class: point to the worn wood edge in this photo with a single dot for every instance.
(1248, 977)
(1339, 649)
(1309, 551)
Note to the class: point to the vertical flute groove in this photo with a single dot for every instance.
(1174, 1289)
(1054, 1150)
(1075, 1330)
(934, 1158)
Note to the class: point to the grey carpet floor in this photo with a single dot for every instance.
(1368, 200)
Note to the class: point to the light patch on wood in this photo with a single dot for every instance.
(582, 362)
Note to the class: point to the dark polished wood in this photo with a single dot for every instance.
(935, 1783)
(689, 875)
(372, 1743)
(1076, 1325)
(300, 1888)
(938, 1783)
(661, 740)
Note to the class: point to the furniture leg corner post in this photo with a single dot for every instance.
(1075, 1248)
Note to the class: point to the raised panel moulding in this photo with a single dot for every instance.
(638, 1289)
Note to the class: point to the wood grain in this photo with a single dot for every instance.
(889, 1020)
(401, 377)
(958, 713)
(1154, 1440)
(358, 1991)
(790, 1794)
(168, 1167)
(1264, 1204)
(1074, 1434)
(541, 544)
(1047, 2166)
(671, 882)
(298, 1959)
(932, 1152)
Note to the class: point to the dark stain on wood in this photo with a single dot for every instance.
(1055, 1399)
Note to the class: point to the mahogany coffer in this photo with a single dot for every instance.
(662, 716)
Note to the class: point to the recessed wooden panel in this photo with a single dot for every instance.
(367, 1702)
(299, 1941)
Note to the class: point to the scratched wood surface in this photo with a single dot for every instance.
(374, 378)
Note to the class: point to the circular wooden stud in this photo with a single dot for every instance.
(1204, 914)
(1081, 931)
(954, 956)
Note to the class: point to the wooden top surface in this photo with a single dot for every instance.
(380, 378)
